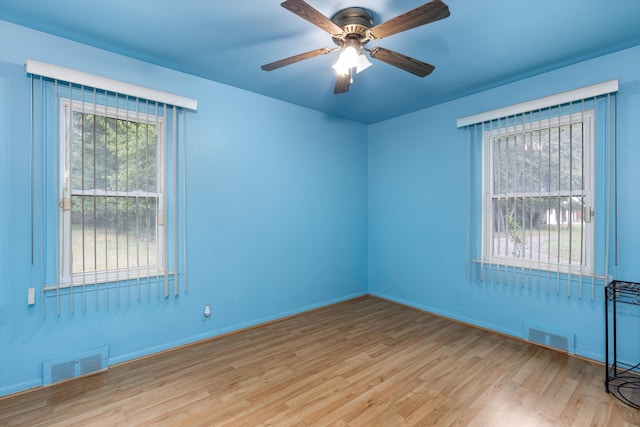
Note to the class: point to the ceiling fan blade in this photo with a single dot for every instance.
(297, 58)
(429, 12)
(342, 83)
(401, 61)
(306, 11)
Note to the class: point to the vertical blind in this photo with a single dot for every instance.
(108, 207)
(541, 208)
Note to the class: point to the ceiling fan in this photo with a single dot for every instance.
(352, 28)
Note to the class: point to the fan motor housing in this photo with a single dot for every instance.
(354, 21)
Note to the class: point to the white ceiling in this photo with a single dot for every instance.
(483, 44)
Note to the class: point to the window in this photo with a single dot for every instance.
(108, 190)
(541, 191)
(112, 183)
(538, 202)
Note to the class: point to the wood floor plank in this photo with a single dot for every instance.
(365, 362)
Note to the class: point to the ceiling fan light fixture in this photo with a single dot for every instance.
(348, 59)
(363, 63)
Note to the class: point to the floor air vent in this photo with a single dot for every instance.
(560, 340)
(84, 363)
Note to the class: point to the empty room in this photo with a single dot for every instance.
(314, 212)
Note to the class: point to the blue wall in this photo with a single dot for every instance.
(276, 205)
(417, 212)
(290, 209)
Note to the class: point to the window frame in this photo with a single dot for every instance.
(66, 278)
(489, 196)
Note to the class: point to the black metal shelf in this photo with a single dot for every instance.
(622, 379)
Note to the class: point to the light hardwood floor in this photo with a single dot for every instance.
(365, 362)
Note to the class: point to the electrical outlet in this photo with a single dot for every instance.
(31, 296)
